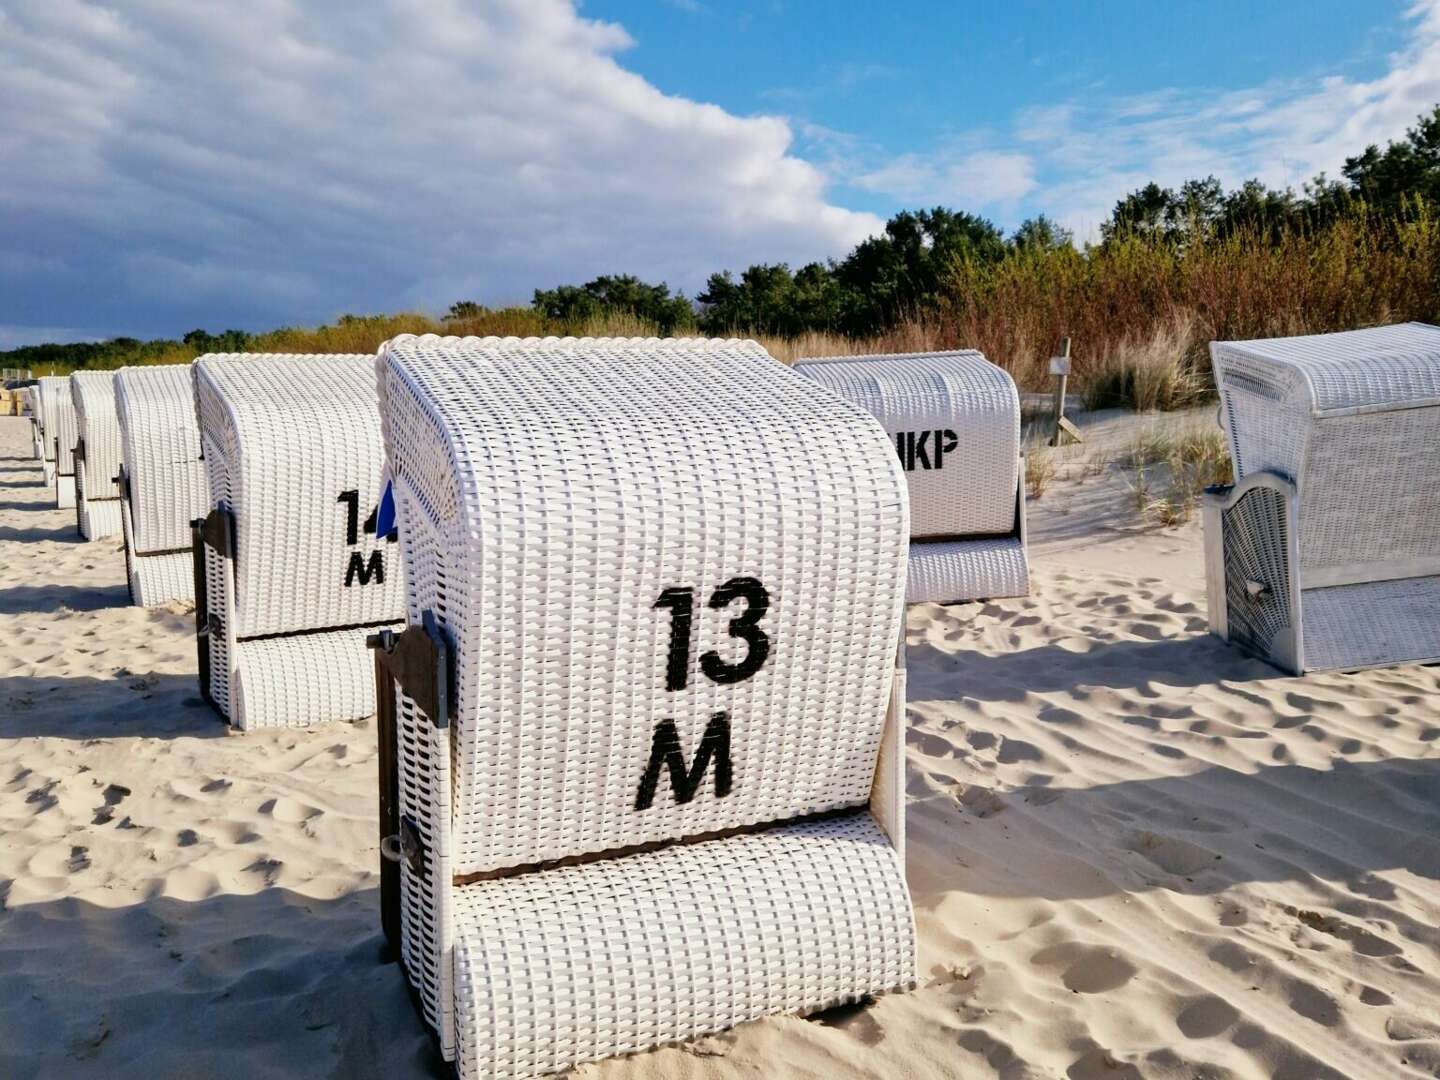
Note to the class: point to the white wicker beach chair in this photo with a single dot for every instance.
(37, 436)
(645, 776)
(954, 418)
(294, 577)
(162, 481)
(1325, 553)
(97, 454)
(60, 433)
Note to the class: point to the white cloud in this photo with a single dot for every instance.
(966, 179)
(283, 160)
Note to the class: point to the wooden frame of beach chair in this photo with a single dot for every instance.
(289, 575)
(954, 419)
(61, 431)
(162, 481)
(1325, 552)
(97, 454)
(643, 775)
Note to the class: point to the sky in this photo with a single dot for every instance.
(167, 165)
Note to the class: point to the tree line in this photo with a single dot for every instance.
(917, 264)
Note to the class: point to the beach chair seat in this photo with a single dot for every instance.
(289, 573)
(954, 418)
(62, 431)
(162, 481)
(642, 770)
(1325, 552)
(97, 455)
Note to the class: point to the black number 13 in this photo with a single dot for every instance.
(745, 626)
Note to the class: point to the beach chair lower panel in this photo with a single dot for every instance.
(157, 580)
(99, 518)
(64, 491)
(301, 679)
(1373, 624)
(615, 956)
(952, 571)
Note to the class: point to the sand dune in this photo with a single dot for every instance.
(1133, 851)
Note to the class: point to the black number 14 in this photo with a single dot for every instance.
(745, 626)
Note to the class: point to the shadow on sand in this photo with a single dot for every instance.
(273, 983)
(127, 705)
(20, 599)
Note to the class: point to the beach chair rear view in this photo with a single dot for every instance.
(645, 778)
(97, 454)
(61, 432)
(294, 575)
(1325, 553)
(954, 419)
(162, 481)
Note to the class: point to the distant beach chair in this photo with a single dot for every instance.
(37, 434)
(1325, 552)
(290, 576)
(162, 480)
(60, 433)
(97, 454)
(645, 780)
(954, 419)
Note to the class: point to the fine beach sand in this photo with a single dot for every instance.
(1133, 852)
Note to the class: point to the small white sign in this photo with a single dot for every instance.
(1059, 365)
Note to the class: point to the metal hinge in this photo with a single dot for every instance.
(217, 530)
(418, 659)
(406, 846)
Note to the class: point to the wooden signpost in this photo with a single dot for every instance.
(1060, 368)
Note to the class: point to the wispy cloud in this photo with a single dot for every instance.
(1074, 159)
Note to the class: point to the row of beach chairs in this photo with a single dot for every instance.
(634, 614)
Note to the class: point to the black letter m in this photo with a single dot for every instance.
(358, 568)
(665, 751)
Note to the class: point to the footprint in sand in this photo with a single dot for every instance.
(113, 796)
(289, 810)
(1205, 1017)
(1171, 854)
(1086, 969)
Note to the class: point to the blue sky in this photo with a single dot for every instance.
(166, 165)
(879, 81)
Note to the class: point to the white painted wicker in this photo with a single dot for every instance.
(61, 433)
(634, 545)
(293, 461)
(163, 487)
(954, 418)
(37, 436)
(1336, 443)
(97, 454)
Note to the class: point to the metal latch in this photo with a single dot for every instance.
(217, 531)
(1256, 589)
(406, 846)
(418, 659)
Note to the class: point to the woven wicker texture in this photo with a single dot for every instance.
(49, 388)
(292, 450)
(949, 571)
(1255, 550)
(287, 440)
(621, 955)
(1353, 419)
(62, 429)
(160, 449)
(954, 418)
(551, 494)
(97, 496)
(156, 580)
(1372, 624)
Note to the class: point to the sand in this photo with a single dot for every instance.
(1133, 852)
